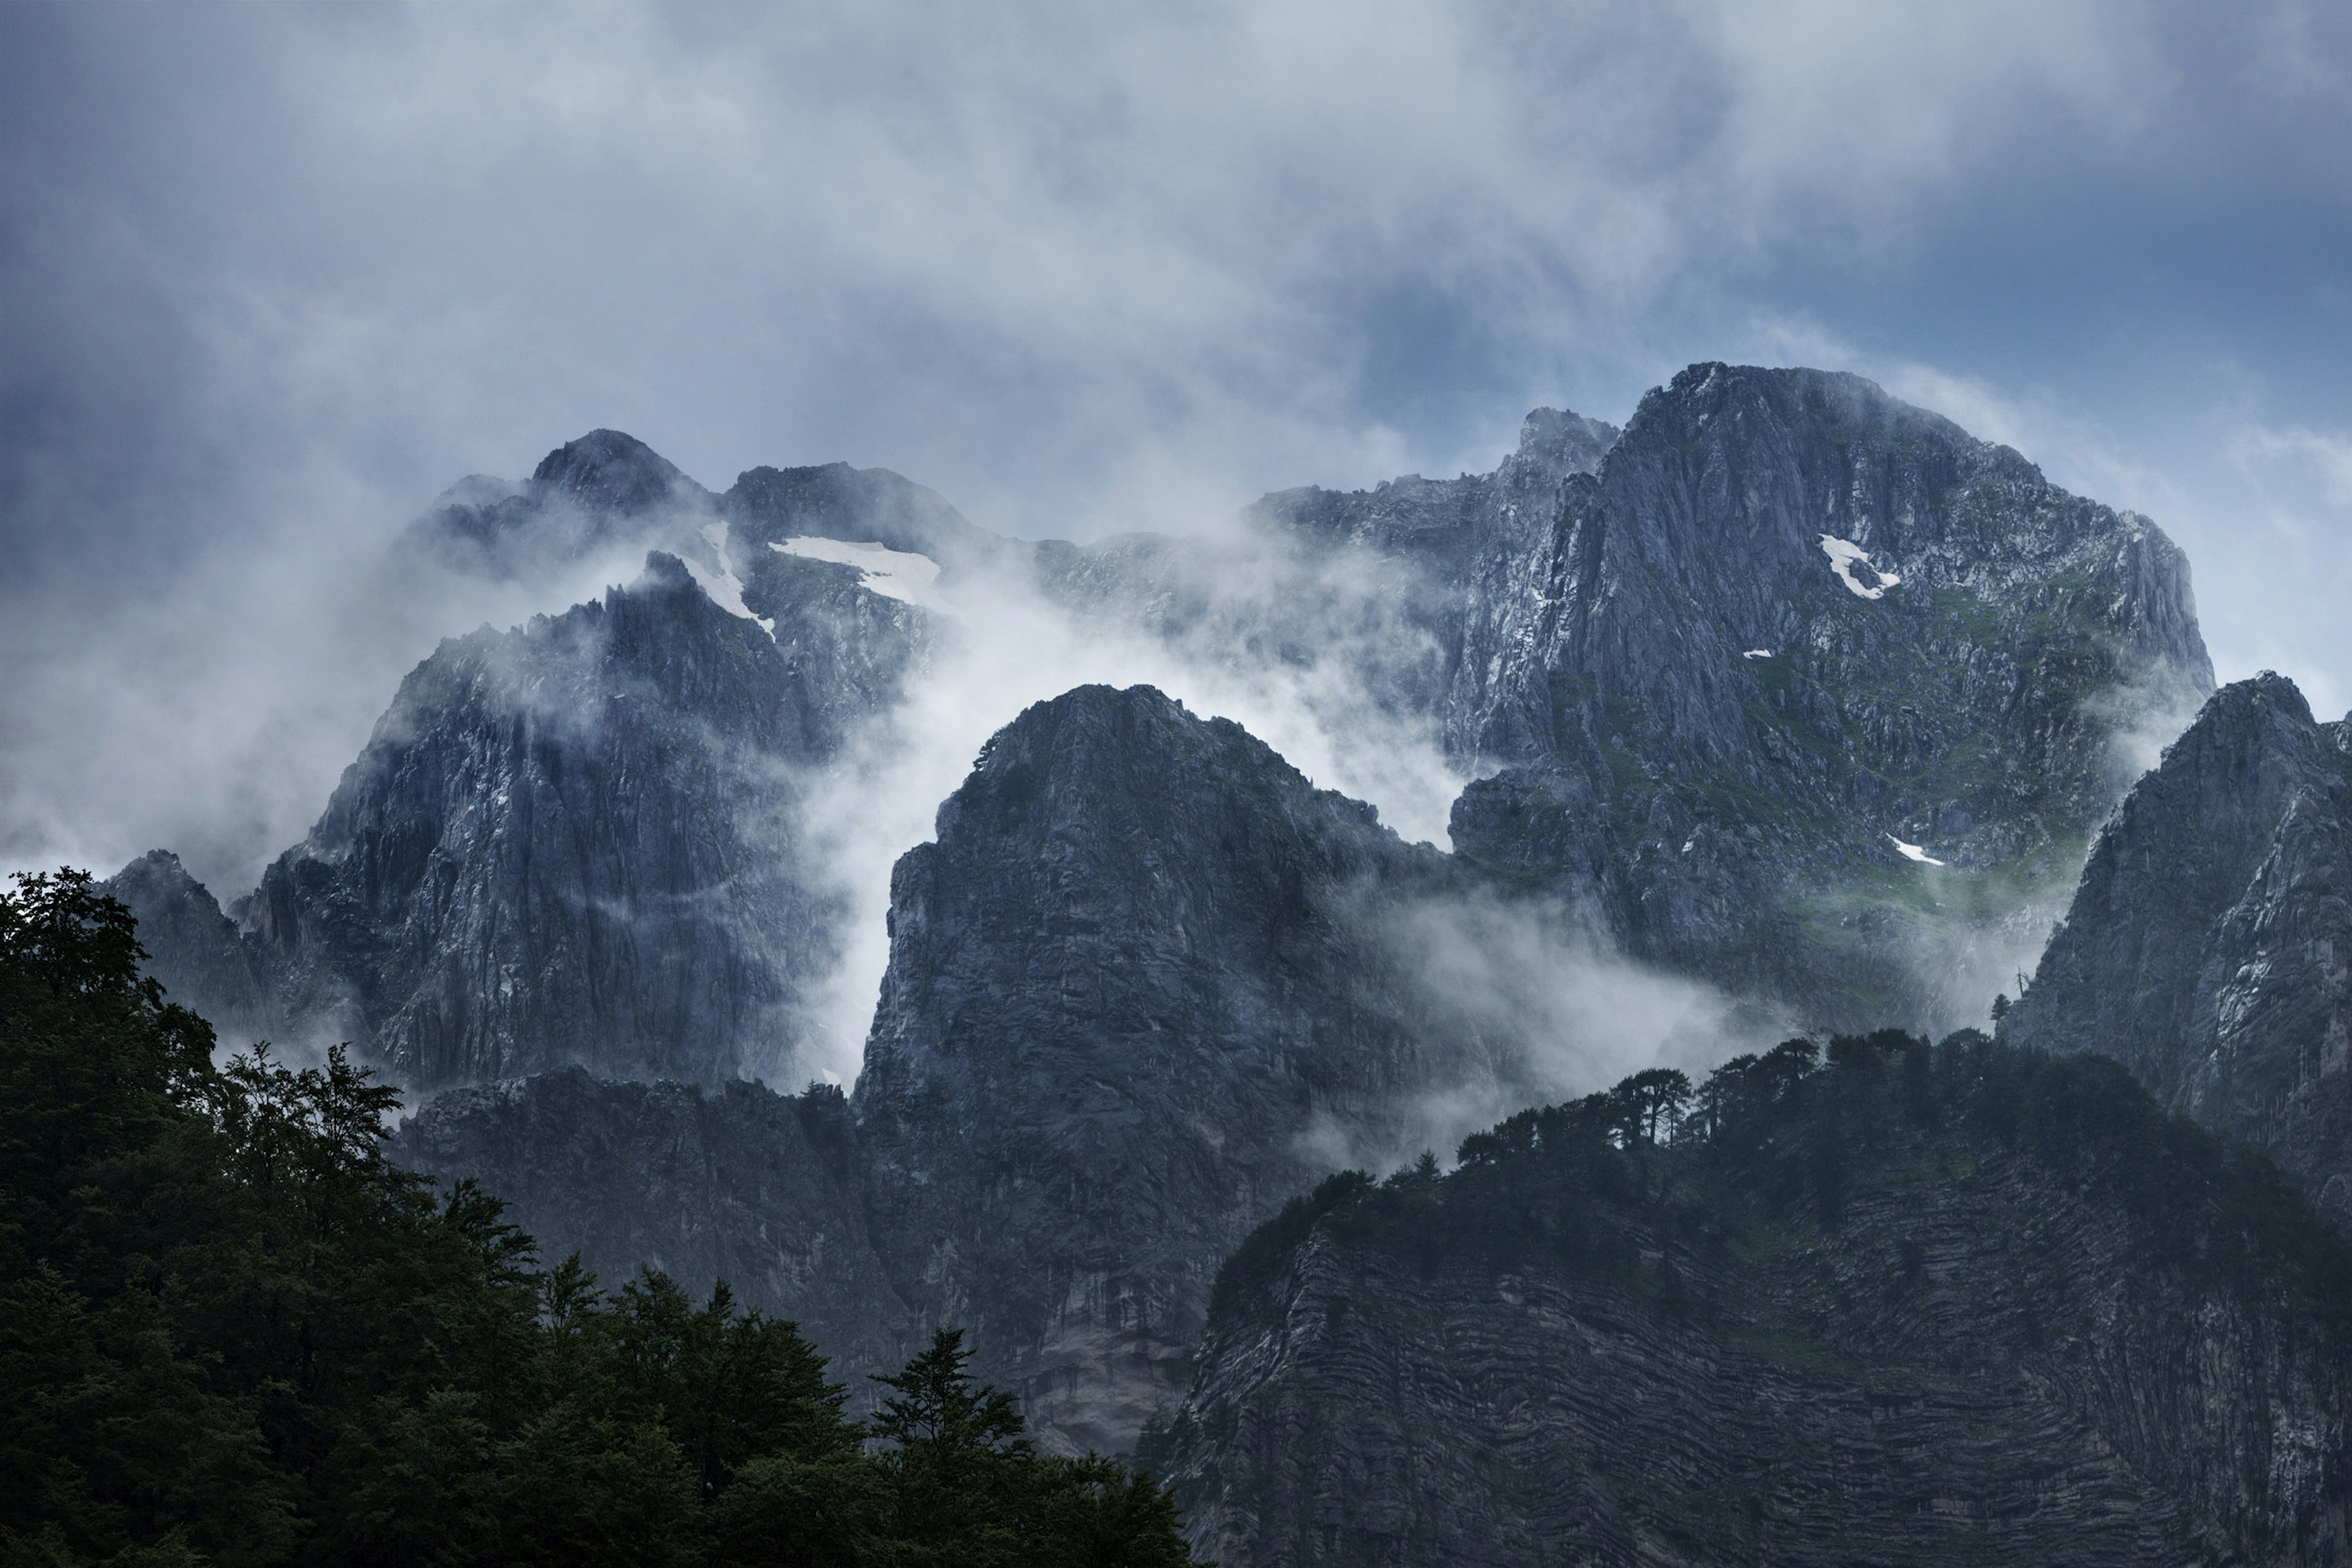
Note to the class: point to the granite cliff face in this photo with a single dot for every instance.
(1977, 1312)
(2209, 945)
(1132, 1004)
(1790, 626)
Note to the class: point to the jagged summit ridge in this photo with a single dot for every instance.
(609, 490)
(1712, 738)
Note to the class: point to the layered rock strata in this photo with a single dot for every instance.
(1991, 1348)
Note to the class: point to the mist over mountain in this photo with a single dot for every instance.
(1465, 783)
(1811, 750)
(1787, 708)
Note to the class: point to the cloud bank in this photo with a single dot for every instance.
(274, 276)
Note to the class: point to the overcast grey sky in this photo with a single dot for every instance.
(273, 276)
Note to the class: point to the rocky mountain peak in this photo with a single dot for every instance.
(1562, 441)
(1132, 1003)
(1792, 636)
(608, 470)
(1135, 745)
(2205, 947)
(2267, 705)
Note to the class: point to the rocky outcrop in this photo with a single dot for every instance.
(2209, 945)
(764, 1191)
(1132, 1006)
(577, 841)
(2001, 1345)
(204, 963)
(1790, 626)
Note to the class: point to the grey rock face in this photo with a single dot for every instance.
(1129, 1009)
(2209, 945)
(203, 962)
(1983, 1363)
(574, 843)
(1789, 622)
(764, 1191)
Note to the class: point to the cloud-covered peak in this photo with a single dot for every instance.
(609, 470)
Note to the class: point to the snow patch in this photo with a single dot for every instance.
(893, 574)
(1912, 851)
(1845, 556)
(725, 588)
(1758, 653)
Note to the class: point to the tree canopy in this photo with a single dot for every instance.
(232, 1333)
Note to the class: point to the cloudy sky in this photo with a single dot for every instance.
(271, 276)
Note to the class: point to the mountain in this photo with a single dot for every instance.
(1965, 1306)
(1136, 998)
(578, 841)
(1787, 688)
(603, 490)
(574, 842)
(1810, 693)
(2209, 945)
(1141, 990)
